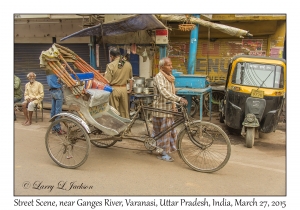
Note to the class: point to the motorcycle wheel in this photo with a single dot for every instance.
(250, 137)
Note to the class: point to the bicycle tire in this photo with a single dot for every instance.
(69, 150)
(194, 108)
(250, 133)
(217, 96)
(215, 151)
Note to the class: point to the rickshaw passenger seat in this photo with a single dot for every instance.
(98, 97)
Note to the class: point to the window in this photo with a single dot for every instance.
(258, 75)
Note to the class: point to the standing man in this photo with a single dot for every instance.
(164, 88)
(17, 92)
(118, 73)
(34, 94)
(57, 98)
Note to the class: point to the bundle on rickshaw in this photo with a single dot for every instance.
(57, 59)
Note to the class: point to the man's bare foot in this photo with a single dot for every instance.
(24, 123)
(27, 123)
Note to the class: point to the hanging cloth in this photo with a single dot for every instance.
(145, 55)
(133, 48)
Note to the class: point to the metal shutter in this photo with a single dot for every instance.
(219, 54)
(103, 58)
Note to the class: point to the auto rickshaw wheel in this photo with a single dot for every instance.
(250, 133)
(221, 117)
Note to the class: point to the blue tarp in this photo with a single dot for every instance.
(133, 23)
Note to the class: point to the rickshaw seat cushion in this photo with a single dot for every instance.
(98, 97)
(84, 76)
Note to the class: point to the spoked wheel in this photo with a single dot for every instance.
(103, 141)
(250, 133)
(206, 149)
(194, 108)
(217, 96)
(71, 148)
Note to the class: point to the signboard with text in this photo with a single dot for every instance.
(161, 36)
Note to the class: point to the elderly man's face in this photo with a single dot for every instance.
(167, 67)
(31, 78)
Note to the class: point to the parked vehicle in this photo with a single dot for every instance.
(255, 93)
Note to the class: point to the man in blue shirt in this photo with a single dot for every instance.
(57, 98)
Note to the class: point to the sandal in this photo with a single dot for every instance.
(165, 158)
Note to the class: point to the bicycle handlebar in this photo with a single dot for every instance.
(180, 104)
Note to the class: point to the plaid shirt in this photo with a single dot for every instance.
(163, 88)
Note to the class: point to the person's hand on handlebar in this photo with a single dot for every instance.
(183, 101)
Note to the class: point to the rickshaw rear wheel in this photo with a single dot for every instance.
(71, 148)
(206, 149)
(250, 133)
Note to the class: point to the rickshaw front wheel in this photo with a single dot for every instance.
(71, 146)
(250, 132)
(208, 150)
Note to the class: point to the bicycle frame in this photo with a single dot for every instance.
(183, 118)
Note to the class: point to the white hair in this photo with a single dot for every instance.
(31, 73)
(162, 61)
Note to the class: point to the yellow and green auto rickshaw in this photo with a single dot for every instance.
(255, 92)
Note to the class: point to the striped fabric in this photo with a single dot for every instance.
(163, 88)
(167, 142)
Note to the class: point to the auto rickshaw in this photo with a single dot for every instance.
(255, 93)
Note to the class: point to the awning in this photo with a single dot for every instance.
(133, 23)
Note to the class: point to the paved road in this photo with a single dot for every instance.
(127, 169)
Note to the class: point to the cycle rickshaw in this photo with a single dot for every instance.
(203, 146)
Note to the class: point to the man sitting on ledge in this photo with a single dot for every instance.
(33, 96)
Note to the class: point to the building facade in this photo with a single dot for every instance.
(35, 33)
